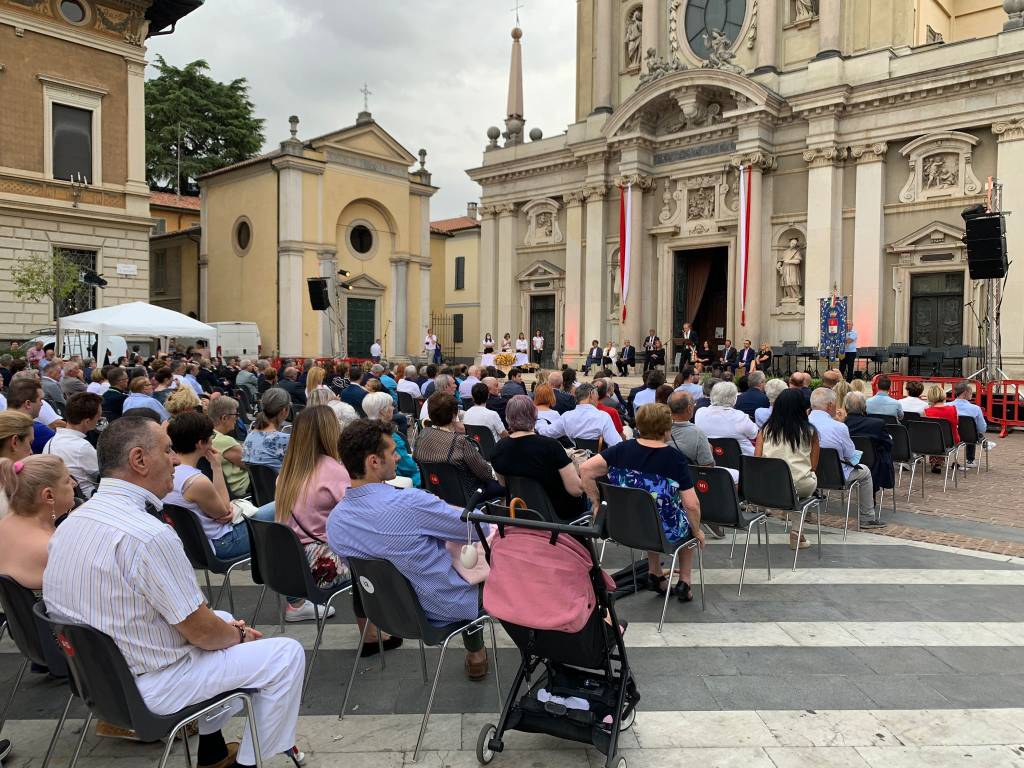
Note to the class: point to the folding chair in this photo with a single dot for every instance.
(863, 444)
(831, 478)
(632, 520)
(445, 482)
(902, 455)
(536, 498)
(587, 444)
(926, 439)
(719, 505)
(407, 404)
(390, 603)
(107, 686)
(726, 452)
(970, 436)
(484, 439)
(263, 483)
(767, 482)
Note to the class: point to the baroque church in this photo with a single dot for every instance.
(867, 128)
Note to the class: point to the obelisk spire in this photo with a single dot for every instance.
(514, 121)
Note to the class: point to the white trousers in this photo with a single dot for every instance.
(274, 667)
(865, 490)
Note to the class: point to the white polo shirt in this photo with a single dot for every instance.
(78, 455)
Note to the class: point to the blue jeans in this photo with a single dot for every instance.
(236, 543)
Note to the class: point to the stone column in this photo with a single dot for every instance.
(651, 32)
(824, 231)
(136, 181)
(398, 338)
(767, 39)
(869, 243)
(604, 60)
(425, 300)
(752, 326)
(487, 278)
(829, 29)
(507, 292)
(594, 304)
(1009, 161)
(328, 320)
(574, 272)
(631, 329)
(290, 291)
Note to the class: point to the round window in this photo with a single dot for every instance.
(73, 11)
(361, 238)
(243, 235)
(706, 19)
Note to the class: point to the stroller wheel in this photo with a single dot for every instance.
(621, 762)
(484, 754)
(627, 721)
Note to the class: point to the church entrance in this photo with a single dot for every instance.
(542, 315)
(700, 293)
(359, 326)
(937, 312)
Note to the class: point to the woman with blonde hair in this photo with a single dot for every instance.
(39, 491)
(98, 383)
(16, 433)
(937, 409)
(859, 385)
(183, 400)
(314, 378)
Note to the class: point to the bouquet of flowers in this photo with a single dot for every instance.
(505, 360)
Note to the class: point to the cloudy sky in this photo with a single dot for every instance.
(438, 70)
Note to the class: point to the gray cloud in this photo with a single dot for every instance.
(438, 70)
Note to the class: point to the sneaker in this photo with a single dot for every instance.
(298, 757)
(306, 612)
(972, 464)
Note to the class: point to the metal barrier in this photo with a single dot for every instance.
(1004, 404)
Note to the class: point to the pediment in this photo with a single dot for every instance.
(365, 282)
(369, 140)
(934, 235)
(541, 270)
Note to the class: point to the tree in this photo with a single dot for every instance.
(55, 277)
(195, 125)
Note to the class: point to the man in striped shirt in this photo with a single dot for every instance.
(115, 566)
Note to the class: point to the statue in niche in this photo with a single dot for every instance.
(788, 267)
(804, 10)
(700, 204)
(634, 31)
(936, 175)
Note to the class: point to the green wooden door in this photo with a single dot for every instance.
(359, 326)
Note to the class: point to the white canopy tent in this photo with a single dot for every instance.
(137, 318)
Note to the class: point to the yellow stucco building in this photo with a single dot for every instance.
(342, 201)
(455, 289)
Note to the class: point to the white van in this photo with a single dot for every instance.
(237, 339)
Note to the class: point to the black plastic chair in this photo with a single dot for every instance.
(107, 686)
(911, 416)
(263, 482)
(952, 447)
(926, 439)
(484, 439)
(970, 436)
(537, 499)
(888, 418)
(445, 482)
(902, 455)
(863, 444)
(719, 505)
(390, 603)
(283, 567)
(587, 444)
(200, 552)
(726, 452)
(831, 478)
(36, 646)
(407, 404)
(632, 520)
(767, 482)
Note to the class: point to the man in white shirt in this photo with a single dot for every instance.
(375, 351)
(913, 403)
(586, 421)
(723, 419)
(408, 383)
(834, 434)
(83, 413)
(471, 380)
(442, 383)
(962, 392)
(482, 416)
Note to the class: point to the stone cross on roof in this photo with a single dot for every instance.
(367, 93)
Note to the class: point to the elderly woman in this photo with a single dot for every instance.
(184, 400)
(772, 389)
(549, 421)
(379, 405)
(722, 419)
(266, 444)
(648, 462)
(937, 409)
(524, 453)
(344, 412)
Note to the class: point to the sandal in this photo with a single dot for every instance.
(683, 592)
(657, 583)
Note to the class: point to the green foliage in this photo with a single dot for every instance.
(46, 276)
(211, 122)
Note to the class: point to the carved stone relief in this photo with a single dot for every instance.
(671, 200)
(542, 222)
(941, 165)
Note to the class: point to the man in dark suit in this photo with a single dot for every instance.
(648, 346)
(627, 358)
(873, 428)
(291, 385)
(727, 356)
(594, 356)
(746, 356)
(563, 400)
(754, 396)
(689, 336)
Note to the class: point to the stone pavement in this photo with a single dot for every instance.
(883, 652)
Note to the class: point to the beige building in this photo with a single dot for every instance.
(72, 107)
(342, 201)
(867, 126)
(174, 252)
(455, 253)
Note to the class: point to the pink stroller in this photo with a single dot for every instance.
(549, 592)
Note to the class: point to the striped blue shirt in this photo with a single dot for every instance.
(409, 529)
(117, 568)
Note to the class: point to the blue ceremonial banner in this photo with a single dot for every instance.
(832, 327)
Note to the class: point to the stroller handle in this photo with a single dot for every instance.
(592, 531)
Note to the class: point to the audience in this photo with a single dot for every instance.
(608, 403)
(482, 416)
(16, 432)
(266, 444)
(83, 412)
(772, 389)
(408, 383)
(115, 394)
(881, 404)
(962, 392)
(163, 389)
(379, 405)
(862, 425)
(445, 384)
(937, 409)
(72, 383)
(343, 412)
(754, 397)
(641, 396)
(26, 395)
(183, 400)
(648, 463)
(587, 422)
(549, 421)
(141, 396)
(835, 434)
(913, 403)
(687, 437)
(721, 419)
(290, 384)
(223, 412)
(563, 400)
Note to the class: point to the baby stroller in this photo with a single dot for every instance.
(547, 588)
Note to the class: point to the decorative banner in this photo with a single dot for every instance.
(625, 243)
(744, 238)
(832, 329)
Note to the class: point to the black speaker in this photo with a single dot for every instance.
(985, 237)
(318, 297)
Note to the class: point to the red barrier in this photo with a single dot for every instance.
(1004, 404)
(899, 382)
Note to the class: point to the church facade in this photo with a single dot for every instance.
(866, 128)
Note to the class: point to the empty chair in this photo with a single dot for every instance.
(390, 603)
(263, 483)
(483, 437)
(767, 482)
(632, 520)
(107, 686)
(280, 563)
(830, 478)
(970, 436)
(902, 455)
(719, 505)
(200, 552)
(445, 482)
(726, 451)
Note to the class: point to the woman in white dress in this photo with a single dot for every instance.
(487, 345)
(506, 343)
(538, 346)
(611, 354)
(522, 350)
